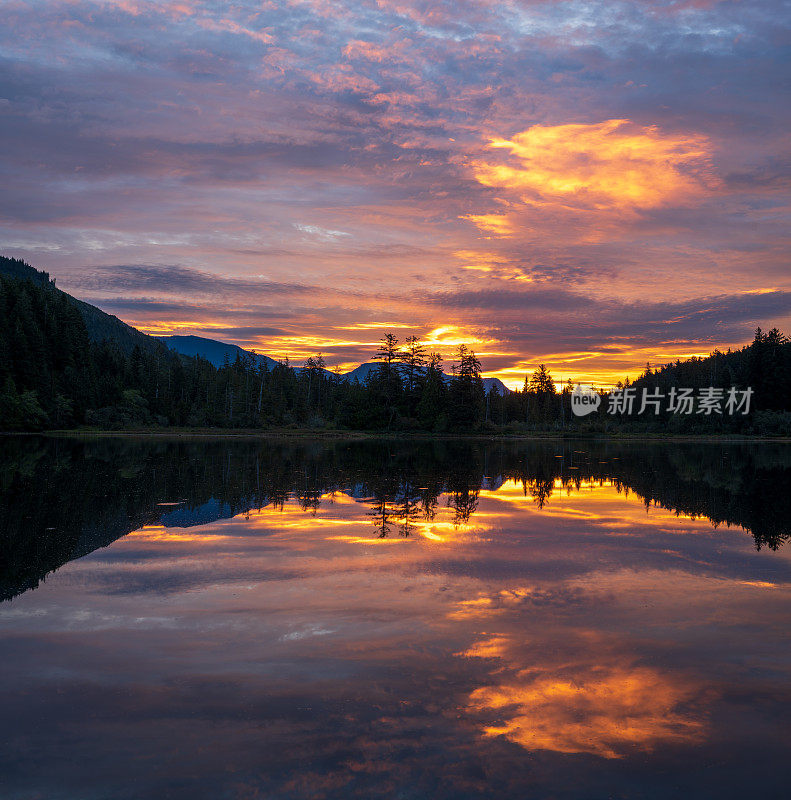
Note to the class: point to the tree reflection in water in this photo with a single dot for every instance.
(63, 498)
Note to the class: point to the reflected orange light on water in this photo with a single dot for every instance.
(377, 540)
(159, 533)
(603, 711)
(559, 662)
(334, 515)
(587, 697)
(595, 501)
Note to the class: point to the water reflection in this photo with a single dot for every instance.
(61, 499)
(600, 708)
(378, 619)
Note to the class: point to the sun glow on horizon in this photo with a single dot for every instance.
(603, 367)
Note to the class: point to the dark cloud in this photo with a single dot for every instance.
(143, 309)
(175, 280)
(568, 319)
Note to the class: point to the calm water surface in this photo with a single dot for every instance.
(245, 620)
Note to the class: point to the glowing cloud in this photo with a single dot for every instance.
(447, 336)
(604, 711)
(608, 165)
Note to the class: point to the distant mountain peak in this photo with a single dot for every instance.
(214, 351)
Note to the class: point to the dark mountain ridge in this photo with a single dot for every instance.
(100, 325)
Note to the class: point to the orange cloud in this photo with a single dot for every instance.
(498, 224)
(451, 336)
(607, 165)
(604, 711)
(595, 700)
(602, 367)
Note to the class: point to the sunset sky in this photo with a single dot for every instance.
(588, 184)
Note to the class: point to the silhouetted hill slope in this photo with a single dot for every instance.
(16, 268)
(100, 325)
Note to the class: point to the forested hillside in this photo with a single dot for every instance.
(66, 364)
(764, 366)
(100, 326)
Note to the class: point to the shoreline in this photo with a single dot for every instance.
(416, 436)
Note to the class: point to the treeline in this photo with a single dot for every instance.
(764, 366)
(56, 373)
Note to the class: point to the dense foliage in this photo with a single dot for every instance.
(65, 364)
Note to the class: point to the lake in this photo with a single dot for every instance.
(256, 619)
